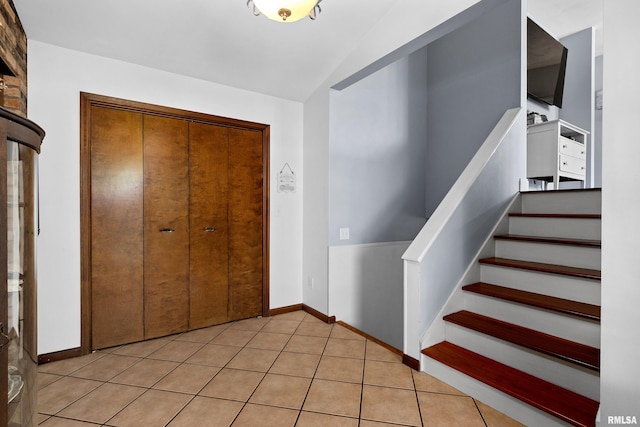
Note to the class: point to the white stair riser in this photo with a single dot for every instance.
(571, 228)
(510, 406)
(564, 326)
(563, 202)
(576, 289)
(574, 256)
(563, 374)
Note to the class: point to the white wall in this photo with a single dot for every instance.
(56, 77)
(620, 371)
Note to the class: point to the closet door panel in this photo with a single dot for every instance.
(116, 227)
(209, 256)
(245, 223)
(166, 222)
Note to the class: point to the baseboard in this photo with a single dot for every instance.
(370, 338)
(319, 315)
(59, 355)
(411, 362)
(287, 309)
(406, 359)
(75, 352)
(305, 308)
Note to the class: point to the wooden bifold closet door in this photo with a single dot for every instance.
(166, 226)
(176, 223)
(116, 227)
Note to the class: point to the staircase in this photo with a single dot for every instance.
(527, 339)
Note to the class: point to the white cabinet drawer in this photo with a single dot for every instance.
(572, 165)
(572, 148)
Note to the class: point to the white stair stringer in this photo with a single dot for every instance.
(549, 253)
(572, 215)
(567, 287)
(565, 326)
(508, 405)
(564, 374)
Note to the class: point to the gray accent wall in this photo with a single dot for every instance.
(577, 103)
(473, 77)
(400, 137)
(597, 126)
(377, 155)
(579, 94)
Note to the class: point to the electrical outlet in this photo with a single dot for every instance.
(344, 233)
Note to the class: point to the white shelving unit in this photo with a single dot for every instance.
(557, 151)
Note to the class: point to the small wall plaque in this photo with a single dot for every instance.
(286, 180)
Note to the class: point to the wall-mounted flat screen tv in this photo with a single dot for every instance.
(546, 65)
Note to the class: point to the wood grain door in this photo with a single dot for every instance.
(166, 226)
(209, 232)
(245, 224)
(174, 220)
(116, 227)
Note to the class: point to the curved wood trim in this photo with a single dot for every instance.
(88, 100)
(22, 130)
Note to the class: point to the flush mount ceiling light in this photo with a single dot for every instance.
(285, 10)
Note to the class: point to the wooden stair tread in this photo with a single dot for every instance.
(553, 240)
(567, 405)
(563, 349)
(559, 305)
(585, 273)
(556, 215)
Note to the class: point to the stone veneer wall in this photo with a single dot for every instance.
(13, 60)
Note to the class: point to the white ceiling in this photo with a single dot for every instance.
(221, 41)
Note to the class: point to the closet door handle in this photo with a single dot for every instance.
(167, 230)
(209, 229)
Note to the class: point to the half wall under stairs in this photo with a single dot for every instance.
(528, 336)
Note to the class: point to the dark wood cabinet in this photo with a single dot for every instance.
(19, 229)
(177, 208)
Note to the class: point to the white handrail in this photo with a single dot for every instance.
(423, 241)
(444, 248)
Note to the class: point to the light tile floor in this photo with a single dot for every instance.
(285, 370)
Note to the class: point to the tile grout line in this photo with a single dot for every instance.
(266, 372)
(415, 390)
(82, 396)
(256, 330)
(108, 381)
(244, 404)
(151, 386)
(364, 367)
(314, 372)
(475, 403)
